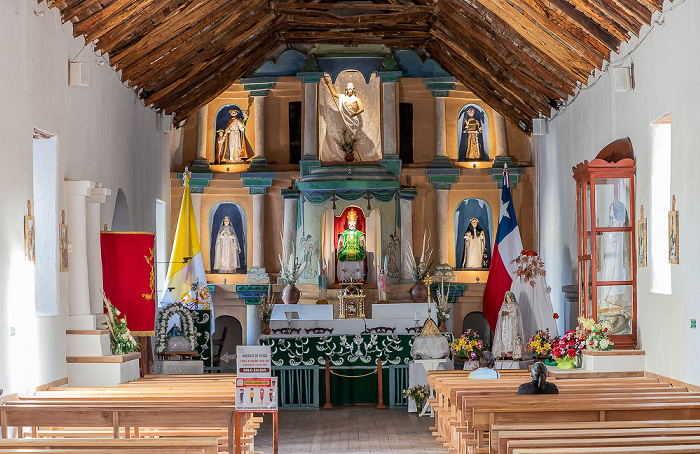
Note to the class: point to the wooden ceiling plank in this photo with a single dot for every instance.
(135, 11)
(321, 35)
(115, 11)
(635, 10)
(313, 16)
(626, 22)
(195, 70)
(76, 8)
(589, 25)
(353, 6)
(176, 23)
(509, 53)
(597, 15)
(150, 68)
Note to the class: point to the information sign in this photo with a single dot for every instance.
(256, 395)
(253, 361)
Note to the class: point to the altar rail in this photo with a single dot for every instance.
(298, 386)
(398, 381)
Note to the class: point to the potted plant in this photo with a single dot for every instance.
(541, 344)
(290, 270)
(419, 272)
(419, 394)
(121, 340)
(348, 145)
(267, 305)
(467, 347)
(567, 349)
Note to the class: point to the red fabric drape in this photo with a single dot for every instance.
(128, 277)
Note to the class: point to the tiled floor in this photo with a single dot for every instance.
(352, 429)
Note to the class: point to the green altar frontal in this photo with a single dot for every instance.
(299, 362)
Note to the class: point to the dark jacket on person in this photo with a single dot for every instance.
(532, 388)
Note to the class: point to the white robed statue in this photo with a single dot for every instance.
(509, 332)
(531, 292)
(227, 248)
(349, 106)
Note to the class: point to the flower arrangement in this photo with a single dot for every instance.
(419, 393)
(468, 346)
(569, 346)
(419, 269)
(267, 305)
(120, 339)
(189, 331)
(290, 266)
(529, 266)
(541, 344)
(443, 310)
(596, 334)
(347, 143)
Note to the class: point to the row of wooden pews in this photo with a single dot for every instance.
(143, 415)
(589, 415)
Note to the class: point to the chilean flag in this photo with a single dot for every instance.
(506, 249)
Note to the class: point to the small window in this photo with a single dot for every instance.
(294, 132)
(660, 194)
(406, 132)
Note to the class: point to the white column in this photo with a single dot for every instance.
(78, 288)
(202, 133)
(259, 116)
(501, 140)
(197, 208)
(97, 196)
(389, 114)
(442, 240)
(258, 229)
(310, 119)
(406, 239)
(253, 325)
(290, 224)
(440, 132)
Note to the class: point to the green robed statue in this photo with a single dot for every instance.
(351, 242)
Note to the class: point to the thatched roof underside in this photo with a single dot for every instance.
(522, 57)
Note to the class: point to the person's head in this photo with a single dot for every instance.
(350, 89)
(474, 227)
(227, 220)
(487, 360)
(539, 375)
(352, 220)
(510, 297)
(470, 111)
(474, 222)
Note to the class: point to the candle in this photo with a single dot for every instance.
(416, 319)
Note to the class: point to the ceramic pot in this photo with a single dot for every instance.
(266, 329)
(419, 293)
(290, 294)
(443, 328)
(349, 157)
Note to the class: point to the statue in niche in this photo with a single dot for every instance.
(349, 106)
(231, 144)
(474, 246)
(616, 306)
(351, 242)
(507, 338)
(227, 248)
(472, 128)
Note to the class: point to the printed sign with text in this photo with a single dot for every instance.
(253, 361)
(256, 395)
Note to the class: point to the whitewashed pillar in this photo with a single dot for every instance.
(78, 276)
(253, 325)
(389, 116)
(442, 241)
(259, 116)
(202, 133)
(406, 237)
(258, 229)
(310, 118)
(501, 138)
(440, 131)
(291, 200)
(98, 195)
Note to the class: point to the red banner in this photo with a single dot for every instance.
(128, 277)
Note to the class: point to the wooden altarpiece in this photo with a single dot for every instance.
(607, 272)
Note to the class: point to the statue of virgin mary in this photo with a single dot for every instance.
(509, 328)
(227, 248)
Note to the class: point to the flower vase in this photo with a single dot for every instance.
(419, 405)
(291, 294)
(349, 157)
(566, 362)
(419, 293)
(266, 328)
(443, 328)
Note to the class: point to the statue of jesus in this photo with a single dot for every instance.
(349, 106)
(351, 242)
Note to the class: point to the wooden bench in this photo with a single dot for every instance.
(180, 445)
(678, 449)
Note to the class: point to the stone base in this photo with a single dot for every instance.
(106, 371)
(85, 322)
(613, 361)
(509, 364)
(87, 343)
(173, 367)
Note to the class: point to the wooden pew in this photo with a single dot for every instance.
(678, 449)
(180, 445)
(636, 438)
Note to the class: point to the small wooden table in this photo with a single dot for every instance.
(181, 355)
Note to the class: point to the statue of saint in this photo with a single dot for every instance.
(472, 128)
(234, 146)
(351, 242)
(509, 329)
(349, 106)
(227, 248)
(617, 299)
(474, 246)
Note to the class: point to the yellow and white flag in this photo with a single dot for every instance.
(186, 275)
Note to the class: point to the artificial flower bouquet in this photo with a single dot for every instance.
(596, 334)
(468, 346)
(121, 340)
(418, 393)
(568, 348)
(541, 344)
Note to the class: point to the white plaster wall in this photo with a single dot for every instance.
(104, 135)
(666, 69)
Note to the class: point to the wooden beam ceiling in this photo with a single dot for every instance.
(522, 57)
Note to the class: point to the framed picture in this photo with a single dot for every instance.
(63, 242)
(642, 240)
(673, 242)
(29, 236)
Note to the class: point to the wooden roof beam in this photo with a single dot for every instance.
(301, 16)
(354, 6)
(589, 25)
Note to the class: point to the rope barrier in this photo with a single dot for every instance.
(374, 371)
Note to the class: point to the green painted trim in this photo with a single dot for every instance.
(290, 193)
(337, 185)
(264, 182)
(255, 87)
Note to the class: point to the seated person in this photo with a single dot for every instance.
(486, 369)
(539, 384)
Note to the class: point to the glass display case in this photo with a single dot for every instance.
(607, 272)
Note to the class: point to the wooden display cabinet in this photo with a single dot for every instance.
(607, 271)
